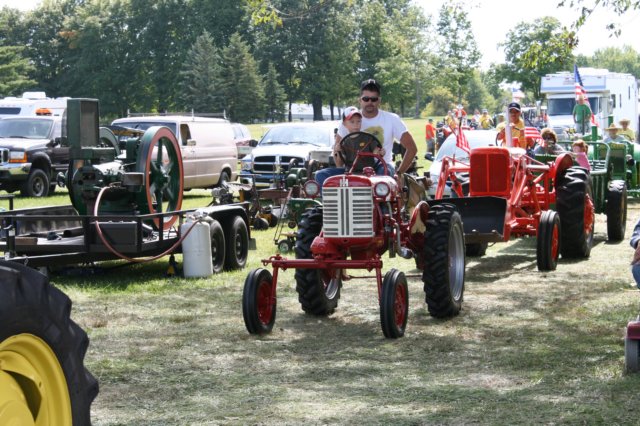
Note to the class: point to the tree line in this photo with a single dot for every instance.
(252, 58)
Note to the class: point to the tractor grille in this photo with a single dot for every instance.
(348, 212)
(271, 163)
(4, 155)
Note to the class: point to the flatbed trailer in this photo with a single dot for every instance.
(57, 235)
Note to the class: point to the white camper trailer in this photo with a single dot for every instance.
(609, 93)
(32, 103)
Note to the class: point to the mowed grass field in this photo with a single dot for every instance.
(527, 348)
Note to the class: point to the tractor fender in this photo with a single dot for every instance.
(560, 165)
(417, 223)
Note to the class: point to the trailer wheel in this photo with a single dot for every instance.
(616, 210)
(394, 305)
(631, 355)
(237, 244)
(37, 184)
(444, 257)
(476, 249)
(42, 375)
(318, 289)
(548, 241)
(258, 309)
(574, 203)
(217, 246)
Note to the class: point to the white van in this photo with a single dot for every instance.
(209, 153)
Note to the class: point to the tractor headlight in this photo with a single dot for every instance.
(382, 189)
(311, 188)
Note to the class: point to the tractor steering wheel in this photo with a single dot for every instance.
(357, 152)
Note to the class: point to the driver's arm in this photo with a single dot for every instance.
(406, 140)
(336, 151)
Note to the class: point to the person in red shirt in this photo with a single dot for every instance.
(430, 138)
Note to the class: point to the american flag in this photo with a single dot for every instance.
(532, 133)
(580, 90)
(461, 140)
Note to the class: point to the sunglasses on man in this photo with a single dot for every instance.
(370, 98)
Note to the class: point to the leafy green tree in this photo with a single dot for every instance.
(242, 84)
(14, 70)
(478, 95)
(586, 7)
(460, 54)
(618, 59)
(441, 100)
(274, 96)
(200, 74)
(535, 49)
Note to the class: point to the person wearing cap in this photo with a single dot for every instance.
(485, 120)
(385, 126)
(549, 144)
(517, 127)
(613, 135)
(352, 122)
(626, 131)
(582, 115)
(430, 138)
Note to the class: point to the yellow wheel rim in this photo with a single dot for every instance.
(33, 389)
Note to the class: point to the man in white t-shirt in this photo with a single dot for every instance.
(385, 126)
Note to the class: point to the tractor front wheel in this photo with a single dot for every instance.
(548, 241)
(258, 308)
(318, 289)
(616, 210)
(42, 376)
(444, 257)
(394, 305)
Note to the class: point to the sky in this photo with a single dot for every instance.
(491, 20)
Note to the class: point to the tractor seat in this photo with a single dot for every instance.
(490, 172)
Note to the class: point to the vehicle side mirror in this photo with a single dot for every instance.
(191, 142)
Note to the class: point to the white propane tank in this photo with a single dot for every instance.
(196, 249)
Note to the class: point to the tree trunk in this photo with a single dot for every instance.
(290, 117)
(316, 102)
(331, 109)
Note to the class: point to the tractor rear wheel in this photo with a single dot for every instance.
(631, 355)
(444, 258)
(616, 210)
(318, 289)
(548, 241)
(258, 310)
(394, 305)
(574, 203)
(42, 375)
(217, 246)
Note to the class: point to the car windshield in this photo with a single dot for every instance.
(317, 136)
(25, 129)
(564, 106)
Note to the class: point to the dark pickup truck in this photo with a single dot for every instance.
(31, 155)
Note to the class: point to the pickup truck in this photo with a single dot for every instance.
(31, 155)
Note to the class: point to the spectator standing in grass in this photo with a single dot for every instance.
(430, 138)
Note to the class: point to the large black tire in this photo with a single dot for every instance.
(444, 257)
(218, 248)
(574, 204)
(548, 241)
(224, 179)
(37, 184)
(394, 304)
(476, 249)
(318, 290)
(258, 311)
(616, 210)
(35, 326)
(237, 244)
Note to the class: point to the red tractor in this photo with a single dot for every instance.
(363, 216)
(502, 193)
